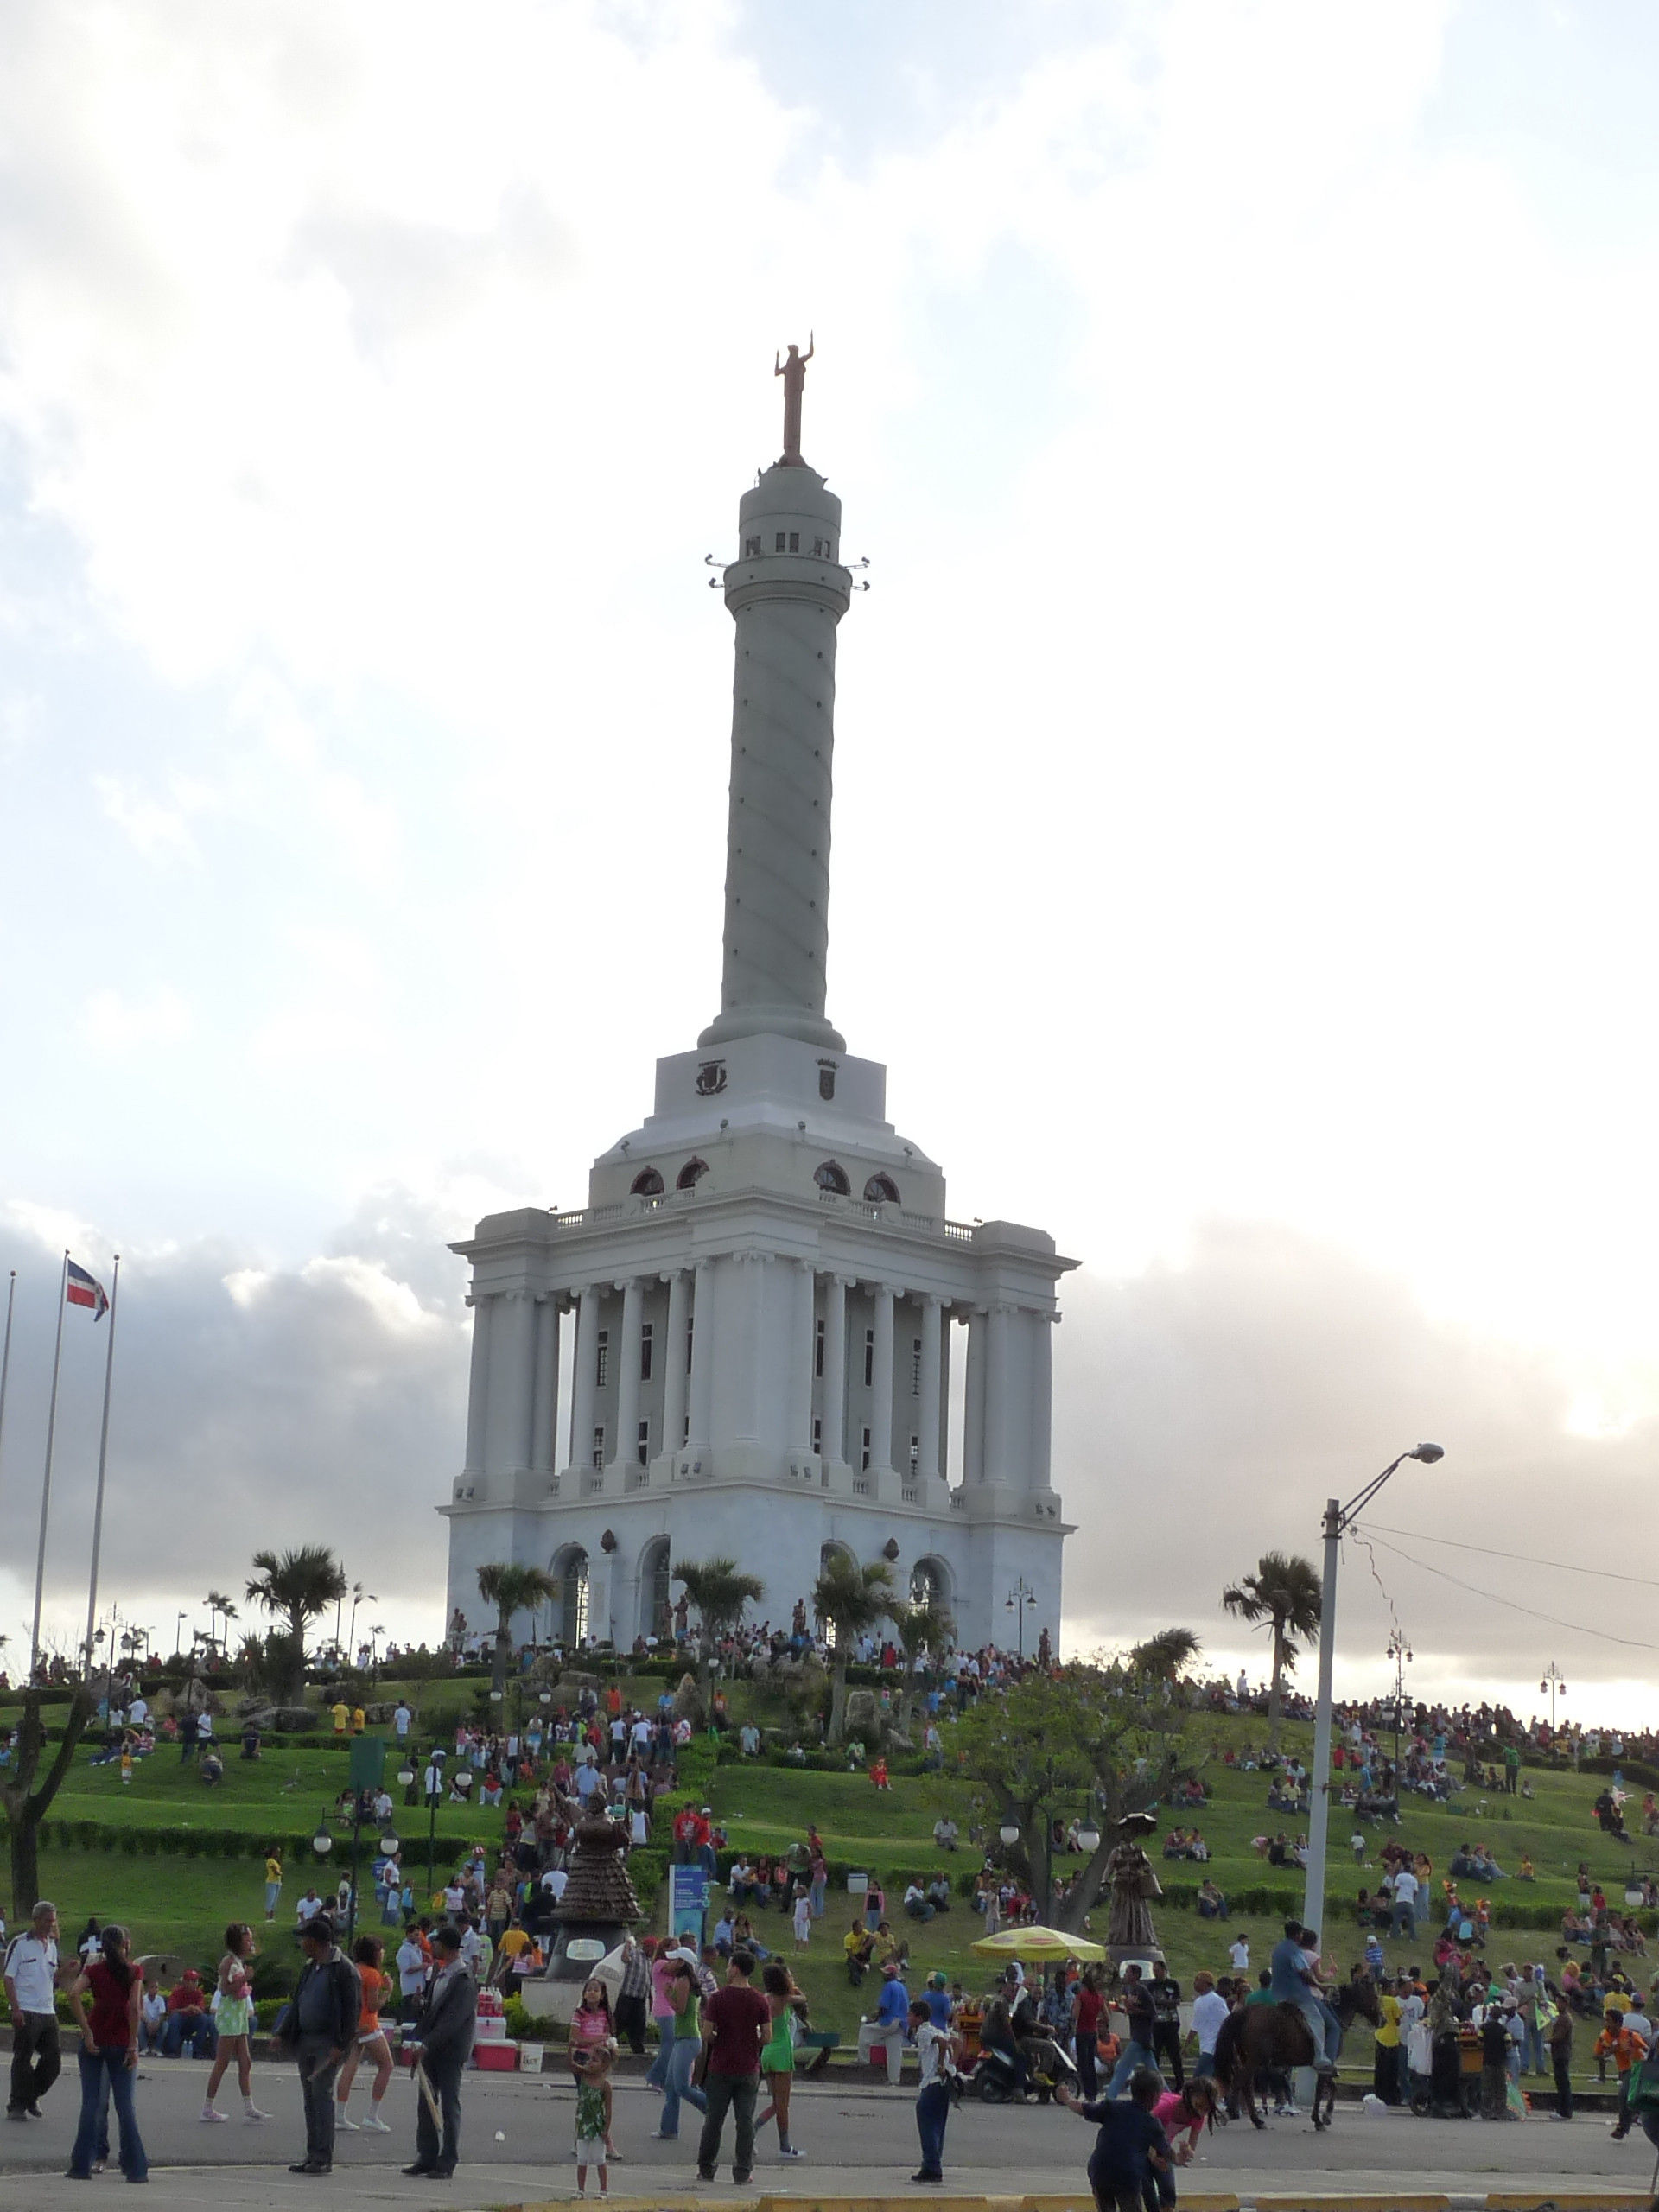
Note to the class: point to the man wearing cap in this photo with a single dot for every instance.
(443, 2034)
(937, 1999)
(321, 2028)
(890, 2024)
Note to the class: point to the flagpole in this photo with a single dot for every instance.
(5, 1356)
(46, 1484)
(103, 1456)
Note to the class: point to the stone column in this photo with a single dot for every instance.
(804, 1345)
(584, 1379)
(832, 1399)
(998, 1408)
(512, 1382)
(928, 1426)
(478, 1392)
(973, 1412)
(881, 1380)
(1042, 1403)
(757, 1280)
(627, 1372)
(542, 1439)
(675, 1379)
(702, 1355)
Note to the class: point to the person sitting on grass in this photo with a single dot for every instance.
(859, 1945)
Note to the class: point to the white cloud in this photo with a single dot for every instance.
(158, 832)
(111, 1024)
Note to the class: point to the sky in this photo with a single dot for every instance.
(1244, 758)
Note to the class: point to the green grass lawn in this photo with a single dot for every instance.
(182, 1903)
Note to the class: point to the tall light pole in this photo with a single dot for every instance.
(1400, 1651)
(1338, 1518)
(1017, 1598)
(1555, 1682)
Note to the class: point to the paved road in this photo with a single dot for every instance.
(516, 2139)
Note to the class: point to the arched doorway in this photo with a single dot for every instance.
(929, 1584)
(569, 1571)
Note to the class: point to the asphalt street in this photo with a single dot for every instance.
(517, 2136)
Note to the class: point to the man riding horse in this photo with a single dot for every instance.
(1299, 2027)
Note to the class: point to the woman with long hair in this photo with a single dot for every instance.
(109, 2052)
(685, 2041)
(778, 2052)
(367, 1953)
(235, 2022)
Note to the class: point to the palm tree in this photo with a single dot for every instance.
(1163, 1656)
(1285, 1593)
(512, 1590)
(852, 1599)
(296, 1585)
(720, 1590)
(923, 1625)
(218, 1603)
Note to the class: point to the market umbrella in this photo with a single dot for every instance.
(1037, 1946)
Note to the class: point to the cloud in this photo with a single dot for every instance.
(1206, 1410)
(158, 832)
(254, 1405)
(112, 1025)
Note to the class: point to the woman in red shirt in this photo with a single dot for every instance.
(109, 2051)
(1091, 2005)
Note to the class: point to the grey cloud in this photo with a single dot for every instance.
(1204, 1413)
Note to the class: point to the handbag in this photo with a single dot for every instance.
(1643, 2092)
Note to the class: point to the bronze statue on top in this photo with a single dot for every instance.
(793, 372)
(1129, 1932)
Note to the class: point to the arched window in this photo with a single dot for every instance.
(691, 1173)
(830, 1175)
(929, 1585)
(647, 1183)
(569, 1571)
(881, 1191)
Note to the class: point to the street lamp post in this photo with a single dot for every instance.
(1338, 1517)
(432, 1782)
(1017, 1598)
(1555, 1682)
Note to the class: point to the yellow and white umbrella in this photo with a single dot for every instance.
(1037, 1946)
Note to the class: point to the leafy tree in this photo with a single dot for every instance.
(512, 1590)
(296, 1586)
(1106, 1738)
(1284, 1594)
(25, 1800)
(852, 1599)
(720, 1590)
(923, 1625)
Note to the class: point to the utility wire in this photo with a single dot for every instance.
(1634, 1643)
(1526, 1559)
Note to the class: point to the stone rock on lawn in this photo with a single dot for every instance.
(688, 1701)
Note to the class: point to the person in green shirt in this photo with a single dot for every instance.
(594, 2118)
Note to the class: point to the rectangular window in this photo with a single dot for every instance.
(864, 1462)
(599, 1445)
(817, 547)
(685, 1432)
(794, 541)
(642, 1449)
(779, 546)
(817, 1434)
(644, 1352)
(915, 1453)
(689, 1327)
(602, 1362)
(751, 548)
(869, 1358)
(915, 1367)
(817, 1356)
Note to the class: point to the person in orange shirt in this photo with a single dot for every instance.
(367, 1954)
(1624, 2046)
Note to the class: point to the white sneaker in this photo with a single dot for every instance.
(375, 2125)
(253, 2114)
(210, 2114)
(350, 2126)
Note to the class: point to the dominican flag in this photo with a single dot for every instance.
(86, 1290)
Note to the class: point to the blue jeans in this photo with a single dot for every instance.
(815, 1898)
(657, 2075)
(101, 2070)
(1135, 2055)
(678, 2088)
(932, 2110)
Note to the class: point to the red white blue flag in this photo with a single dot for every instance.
(86, 1290)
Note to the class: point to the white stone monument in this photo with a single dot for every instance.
(757, 1308)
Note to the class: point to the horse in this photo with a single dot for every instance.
(1276, 2038)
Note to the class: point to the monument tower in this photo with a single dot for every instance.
(753, 1317)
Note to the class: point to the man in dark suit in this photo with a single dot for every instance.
(443, 2030)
